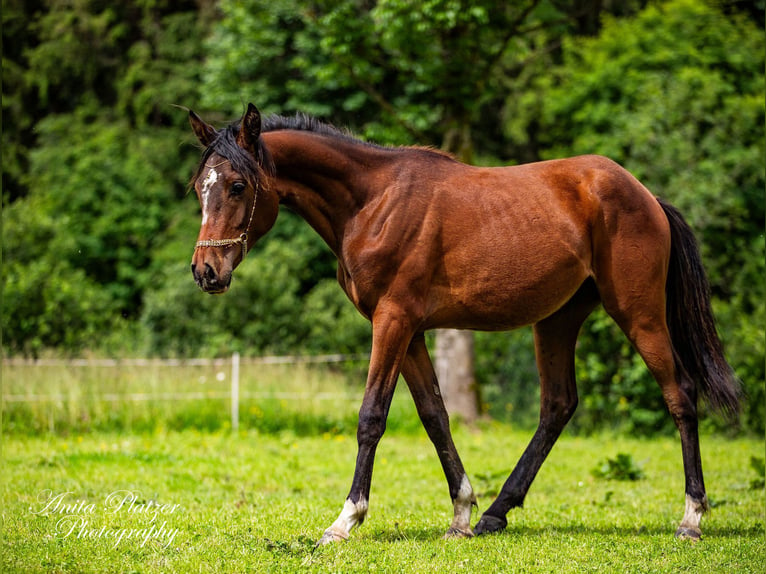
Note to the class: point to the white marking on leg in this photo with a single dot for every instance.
(693, 514)
(352, 515)
(212, 177)
(463, 505)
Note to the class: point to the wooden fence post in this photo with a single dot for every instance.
(235, 391)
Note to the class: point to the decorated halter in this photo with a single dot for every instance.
(242, 238)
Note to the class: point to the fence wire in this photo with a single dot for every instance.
(235, 394)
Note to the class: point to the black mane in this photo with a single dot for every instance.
(306, 123)
(226, 145)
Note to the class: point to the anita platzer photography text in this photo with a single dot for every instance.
(82, 520)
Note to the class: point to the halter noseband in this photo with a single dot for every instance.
(242, 238)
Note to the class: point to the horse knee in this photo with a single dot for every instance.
(372, 425)
(569, 405)
(568, 408)
(559, 410)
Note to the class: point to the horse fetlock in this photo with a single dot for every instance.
(463, 505)
(690, 525)
(353, 514)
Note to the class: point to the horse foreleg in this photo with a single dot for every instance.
(390, 337)
(555, 339)
(419, 373)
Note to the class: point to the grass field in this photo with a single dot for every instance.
(254, 502)
(165, 486)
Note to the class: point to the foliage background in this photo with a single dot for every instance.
(98, 225)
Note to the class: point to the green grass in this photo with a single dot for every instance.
(255, 502)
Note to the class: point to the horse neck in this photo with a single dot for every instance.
(323, 179)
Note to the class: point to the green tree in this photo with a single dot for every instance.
(396, 72)
(96, 163)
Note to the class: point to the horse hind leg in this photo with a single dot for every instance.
(555, 339)
(652, 341)
(640, 313)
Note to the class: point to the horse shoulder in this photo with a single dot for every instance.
(390, 245)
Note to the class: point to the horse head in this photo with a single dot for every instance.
(238, 205)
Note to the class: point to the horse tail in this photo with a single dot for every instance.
(697, 348)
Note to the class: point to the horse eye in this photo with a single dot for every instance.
(237, 188)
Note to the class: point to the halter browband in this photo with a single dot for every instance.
(242, 238)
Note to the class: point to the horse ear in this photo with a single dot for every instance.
(205, 133)
(250, 130)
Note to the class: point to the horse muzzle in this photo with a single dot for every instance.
(209, 280)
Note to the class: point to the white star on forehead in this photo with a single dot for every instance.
(212, 177)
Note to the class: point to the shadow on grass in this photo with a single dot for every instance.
(407, 534)
(627, 532)
(303, 549)
(433, 533)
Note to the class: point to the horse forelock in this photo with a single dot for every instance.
(252, 168)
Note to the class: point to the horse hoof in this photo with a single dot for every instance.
(684, 533)
(329, 537)
(454, 533)
(489, 524)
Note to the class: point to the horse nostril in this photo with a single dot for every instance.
(209, 273)
(208, 279)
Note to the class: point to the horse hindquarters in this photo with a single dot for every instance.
(645, 276)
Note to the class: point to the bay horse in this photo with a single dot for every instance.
(424, 241)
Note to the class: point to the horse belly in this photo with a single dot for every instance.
(507, 274)
(505, 295)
